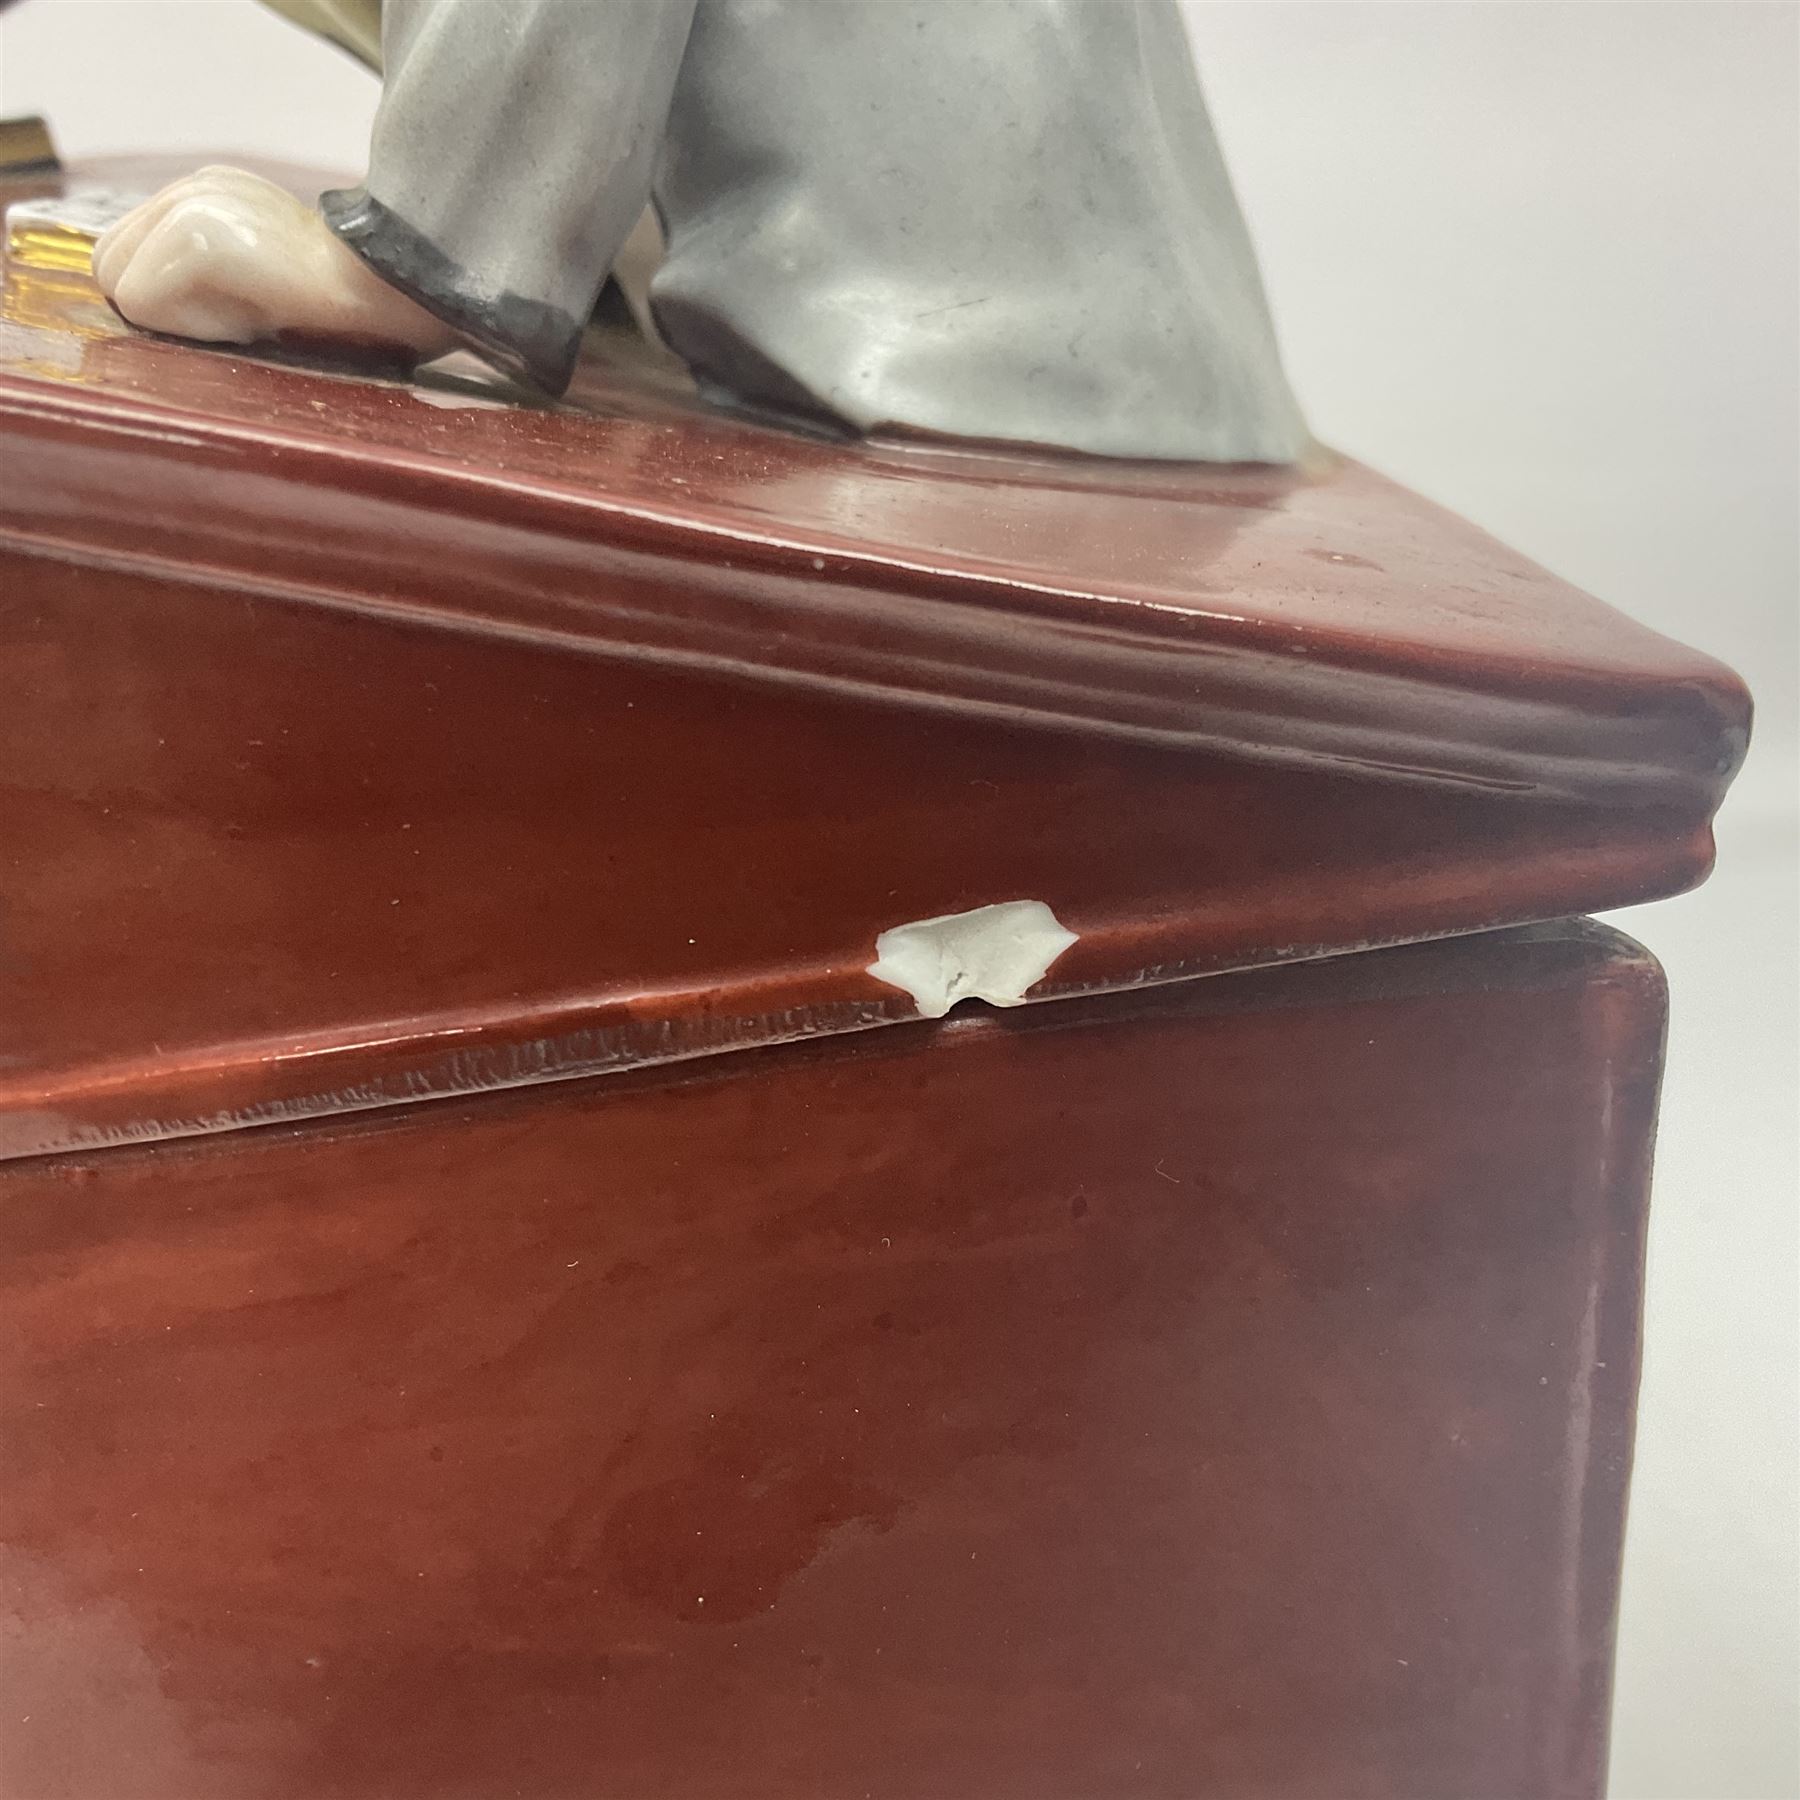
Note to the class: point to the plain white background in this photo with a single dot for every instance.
(1541, 260)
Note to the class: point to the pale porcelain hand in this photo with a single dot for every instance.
(227, 257)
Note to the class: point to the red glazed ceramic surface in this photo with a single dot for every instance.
(1217, 1392)
(367, 740)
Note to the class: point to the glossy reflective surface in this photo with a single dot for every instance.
(1219, 1388)
(364, 741)
(1327, 615)
(1221, 1392)
(266, 860)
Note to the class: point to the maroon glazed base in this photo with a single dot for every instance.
(365, 739)
(1221, 1391)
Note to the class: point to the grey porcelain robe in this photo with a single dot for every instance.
(1001, 219)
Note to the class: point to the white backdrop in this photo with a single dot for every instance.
(1541, 260)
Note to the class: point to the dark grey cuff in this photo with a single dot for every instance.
(525, 337)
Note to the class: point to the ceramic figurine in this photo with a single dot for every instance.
(1000, 220)
(1010, 1265)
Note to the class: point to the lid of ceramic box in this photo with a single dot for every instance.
(368, 739)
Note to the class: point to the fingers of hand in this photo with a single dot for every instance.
(202, 258)
(120, 239)
(205, 258)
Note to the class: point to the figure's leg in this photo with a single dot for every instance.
(1004, 220)
(512, 154)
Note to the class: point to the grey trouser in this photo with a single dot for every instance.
(1000, 219)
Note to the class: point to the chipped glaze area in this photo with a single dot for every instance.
(995, 953)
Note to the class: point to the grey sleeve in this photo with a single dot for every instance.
(512, 154)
